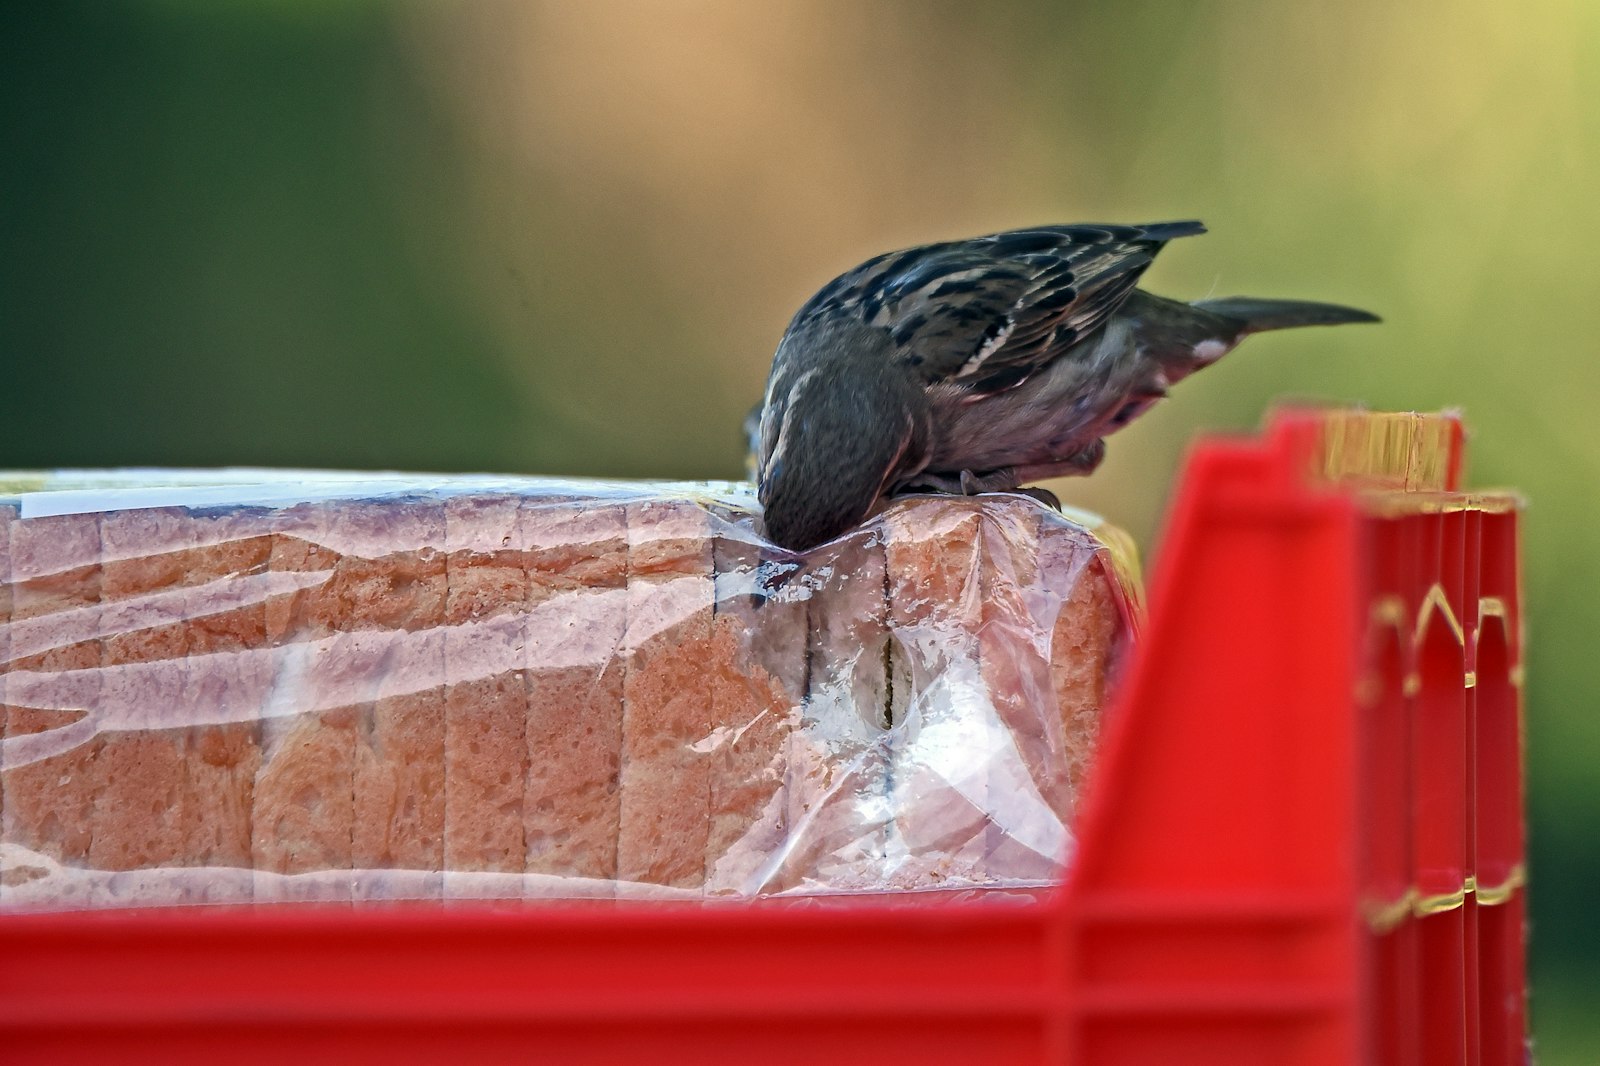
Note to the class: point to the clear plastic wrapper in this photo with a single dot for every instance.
(238, 686)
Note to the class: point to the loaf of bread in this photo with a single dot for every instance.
(349, 692)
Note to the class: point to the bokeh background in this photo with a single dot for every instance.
(565, 237)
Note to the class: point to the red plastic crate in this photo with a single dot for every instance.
(1302, 844)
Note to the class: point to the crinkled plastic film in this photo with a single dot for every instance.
(234, 687)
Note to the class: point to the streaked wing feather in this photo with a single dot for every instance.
(985, 314)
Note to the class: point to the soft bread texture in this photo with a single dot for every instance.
(8, 515)
(55, 629)
(936, 605)
(486, 691)
(399, 771)
(580, 589)
(523, 692)
(667, 706)
(838, 768)
(138, 819)
(757, 670)
(303, 809)
(225, 551)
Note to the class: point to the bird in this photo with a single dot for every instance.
(980, 365)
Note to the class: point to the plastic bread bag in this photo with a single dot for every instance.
(237, 687)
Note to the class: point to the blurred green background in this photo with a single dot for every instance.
(564, 238)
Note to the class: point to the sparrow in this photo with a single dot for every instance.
(981, 365)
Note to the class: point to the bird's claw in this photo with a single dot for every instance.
(969, 484)
(965, 483)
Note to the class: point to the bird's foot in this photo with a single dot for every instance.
(965, 483)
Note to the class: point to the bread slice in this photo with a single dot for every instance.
(397, 843)
(228, 688)
(668, 716)
(836, 774)
(940, 736)
(55, 637)
(757, 672)
(1059, 567)
(1087, 642)
(138, 820)
(577, 614)
(303, 803)
(8, 515)
(486, 697)
(998, 727)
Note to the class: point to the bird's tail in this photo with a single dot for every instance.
(1257, 315)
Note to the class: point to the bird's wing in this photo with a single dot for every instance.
(984, 314)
